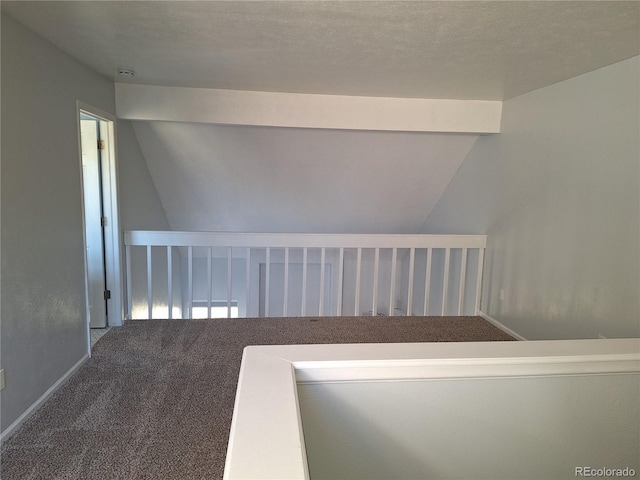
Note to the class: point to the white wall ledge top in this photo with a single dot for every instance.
(266, 439)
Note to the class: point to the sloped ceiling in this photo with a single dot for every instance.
(224, 178)
(242, 178)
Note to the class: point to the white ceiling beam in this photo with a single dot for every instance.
(235, 107)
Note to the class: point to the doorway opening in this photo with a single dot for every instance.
(103, 279)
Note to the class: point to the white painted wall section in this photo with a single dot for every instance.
(498, 428)
(234, 107)
(541, 394)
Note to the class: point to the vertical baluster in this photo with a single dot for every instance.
(445, 282)
(358, 268)
(340, 279)
(129, 288)
(412, 261)
(479, 279)
(247, 287)
(149, 284)
(322, 260)
(209, 280)
(267, 290)
(376, 267)
(463, 273)
(286, 282)
(392, 289)
(304, 281)
(427, 282)
(229, 270)
(169, 282)
(190, 281)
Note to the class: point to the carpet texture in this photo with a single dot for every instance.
(156, 399)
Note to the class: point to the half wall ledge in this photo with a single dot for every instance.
(267, 440)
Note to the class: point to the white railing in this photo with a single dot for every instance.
(292, 382)
(191, 274)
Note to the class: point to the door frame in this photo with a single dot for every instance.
(112, 240)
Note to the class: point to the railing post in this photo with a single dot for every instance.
(412, 261)
(479, 279)
(376, 269)
(267, 276)
(304, 281)
(340, 281)
(445, 281)
(286, 282)
(358, 268)
(209, 279)
(322, 260)
(169, 283)
(190, 282)
(463, 272)
(427, 282)
(149, 284)
(229, 279)
(247, 296)
(392, 289)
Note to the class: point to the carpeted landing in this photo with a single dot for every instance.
(156, 399)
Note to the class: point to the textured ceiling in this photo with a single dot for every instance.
(433, 49)
(214, 177)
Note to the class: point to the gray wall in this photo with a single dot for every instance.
(266, 179)
(557, 193)
(531, 427)
(141, 209)
(43, 306)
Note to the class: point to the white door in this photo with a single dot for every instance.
(93, 214)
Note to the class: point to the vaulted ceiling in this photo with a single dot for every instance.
(221, 177)
(283, 179)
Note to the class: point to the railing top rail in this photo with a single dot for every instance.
(299, 240)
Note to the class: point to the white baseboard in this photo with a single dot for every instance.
(38, 403)
(500, 326)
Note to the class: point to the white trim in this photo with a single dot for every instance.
(113, 241)
(305, 241)
(299, 240)
(296, 110)
(38, 403)
(113, 238)
(496, 323)
(84, 236)
(271, 445)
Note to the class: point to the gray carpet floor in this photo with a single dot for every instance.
(156, 399)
